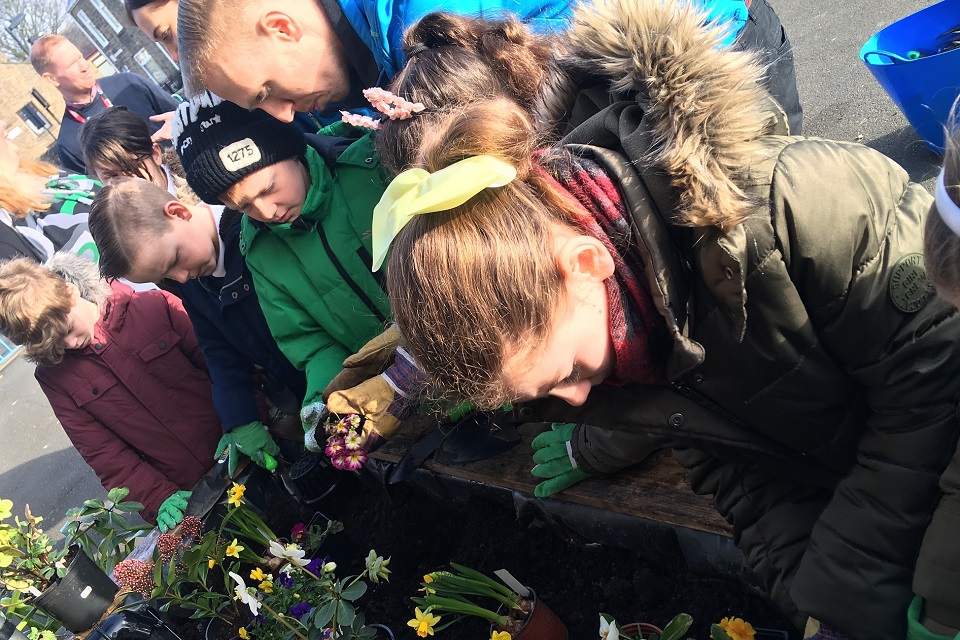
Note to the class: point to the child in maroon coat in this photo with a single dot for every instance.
(123, 373)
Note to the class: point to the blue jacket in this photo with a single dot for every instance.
(234, 336)
(380, 24)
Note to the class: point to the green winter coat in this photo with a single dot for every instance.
(814, 375)
(313, 277)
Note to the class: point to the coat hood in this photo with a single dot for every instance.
(81, 273)
(705, 106)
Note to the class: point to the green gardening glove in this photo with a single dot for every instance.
(170, 513)
(251, 439)
(555, 461)
(915, 629)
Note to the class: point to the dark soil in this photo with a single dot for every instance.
(575, 578)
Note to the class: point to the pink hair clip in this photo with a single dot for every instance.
(358, 120)
(394, 107)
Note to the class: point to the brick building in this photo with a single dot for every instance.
(19, 108)
(32, 107)
(107, 26)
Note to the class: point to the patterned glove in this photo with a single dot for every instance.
(555, 461)
(251, 439)
(384, 401)
(372, 360)
(312, 416)
(170, 513)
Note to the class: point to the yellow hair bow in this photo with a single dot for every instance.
(417, 191)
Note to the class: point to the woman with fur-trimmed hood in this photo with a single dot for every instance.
(123, 373)
(683, 276)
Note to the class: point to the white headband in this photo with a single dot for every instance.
(948, 209)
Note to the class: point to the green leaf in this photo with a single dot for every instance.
(345, 613)
(354, 591)
(128, 507)
(716, 633)
(117, 494)
(324, 614)
(93, 504)
(677, 627)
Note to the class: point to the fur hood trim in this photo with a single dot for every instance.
(184, 193)
(83, 274)
(705, 104)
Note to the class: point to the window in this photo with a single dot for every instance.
(150, 66)
(91, 30)
(37, 122)
(102, 8)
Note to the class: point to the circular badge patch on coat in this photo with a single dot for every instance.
(909, 285)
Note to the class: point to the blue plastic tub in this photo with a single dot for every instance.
(924, 87)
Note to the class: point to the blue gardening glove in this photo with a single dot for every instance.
(915, 629)
(251, 439)
(383, 401)
(312, 416)
(170, 513)
(554, 459)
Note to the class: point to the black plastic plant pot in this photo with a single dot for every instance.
(313, 477)
(8, 630)
(81, 597)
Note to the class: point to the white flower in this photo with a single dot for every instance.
(291, 553)
(243, 595)
(608, 630)
(330, 567)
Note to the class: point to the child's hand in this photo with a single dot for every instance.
(383, 401)
(251, 439)
(171, 510)
(555, 463)
(371, 360)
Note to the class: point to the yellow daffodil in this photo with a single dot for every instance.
(242, 632)
(501, 635)
(423, 622)
(737, 628)
(5, 560)
(258, 575)
(234, 549)
(266, 586)
(235, 494)
(6, 509)
(211, 563)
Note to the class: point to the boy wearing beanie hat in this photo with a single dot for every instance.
(308, 205)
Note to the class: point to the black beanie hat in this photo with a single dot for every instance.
(220, 143)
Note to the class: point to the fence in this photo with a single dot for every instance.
(8, 350)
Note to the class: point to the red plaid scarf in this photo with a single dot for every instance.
(637, 329)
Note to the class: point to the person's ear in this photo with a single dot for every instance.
(280, 25)
(49, 77)
(157, 154)
(176, 209)
(584, 258)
